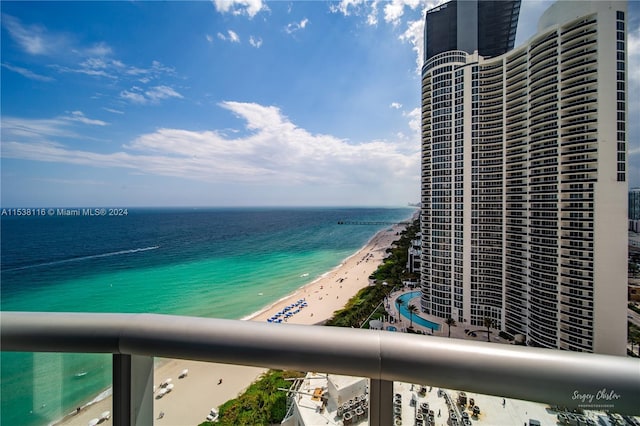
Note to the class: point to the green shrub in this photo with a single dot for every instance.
(368, 299)
(261, 404)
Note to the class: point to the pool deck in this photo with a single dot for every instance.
(457, 331)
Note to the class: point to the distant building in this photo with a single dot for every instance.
(524, 183)
(634, 204)
(415, 254)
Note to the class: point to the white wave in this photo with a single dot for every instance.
(79, 259)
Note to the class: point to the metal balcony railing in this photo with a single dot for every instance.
(534, 374)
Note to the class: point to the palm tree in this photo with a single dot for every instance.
(489, 322)
(412, 310)
(450, 322)
(400, 303)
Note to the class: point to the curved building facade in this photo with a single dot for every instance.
(524, 188)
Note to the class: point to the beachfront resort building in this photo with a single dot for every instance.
(524, 184)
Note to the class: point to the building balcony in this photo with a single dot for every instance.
(534, 374)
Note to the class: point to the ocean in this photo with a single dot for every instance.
(222, 263)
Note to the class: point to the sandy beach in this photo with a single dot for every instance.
(193, 396)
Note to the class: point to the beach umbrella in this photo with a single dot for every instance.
(94, 422)
(105, 415)
(184, 373)
(375, 325)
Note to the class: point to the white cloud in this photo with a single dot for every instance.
(239, 7)
(33, 39)
(35, 129)
(275, 151)
(115, 69)
(40, 130)
(152, 95)
(84, 70)
(414, 119)
(296, 26)
(80, 117)
(372, 17)
(394, 10)
(94, 63)
(72, 57)
(114, 111)
(28, 73)
(346, 7)
(232, 36)
(133, 95)
(162, 92)
(395, 105)
(99, 49)
(209, 38)
(415, 36)
(255, 42)
(37, 40)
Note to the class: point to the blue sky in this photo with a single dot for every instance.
(222, 103)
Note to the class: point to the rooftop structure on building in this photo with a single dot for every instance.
(319, 399)
(488, 27)
(329, 399)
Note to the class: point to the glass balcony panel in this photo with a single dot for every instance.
(43, 388)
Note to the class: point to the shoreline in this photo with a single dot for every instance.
(292, 294)
(194, 395)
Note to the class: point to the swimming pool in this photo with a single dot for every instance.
(417, 319)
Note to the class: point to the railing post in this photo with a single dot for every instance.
(380, 402)
(132, 390)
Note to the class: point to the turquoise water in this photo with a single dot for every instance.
(224, 263)
(417, 319)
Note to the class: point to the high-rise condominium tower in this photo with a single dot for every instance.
(524, 192)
